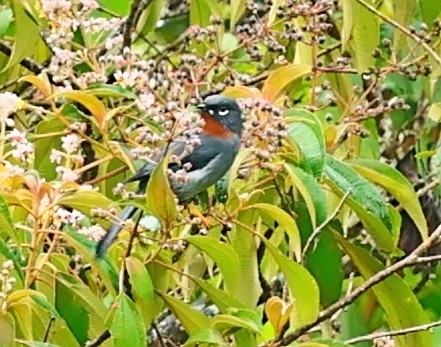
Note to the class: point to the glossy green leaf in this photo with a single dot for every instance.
(323, 343)
(285, 221)
(397, 185)
(191, 319)
(139, 278)
(201, 10)
(303, 287)
(391, 294)
(307, 133)
(160, 197)
(26, 36)
(364, 199)
(223, 255)
(435, 112)
(404, 11)
(126, 325)
(37, 344)
(279, 78)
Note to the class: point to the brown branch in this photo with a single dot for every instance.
(411, 259)
(136, 10)
(410, 330)
(28, 63)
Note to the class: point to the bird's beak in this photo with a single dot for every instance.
(201, 107)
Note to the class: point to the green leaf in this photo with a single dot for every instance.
(223, 322)
(125, 324)
(391, 293)
(142, 288)
(303, 287)
(120, 8)
(279, 78)
(312, 193)
(237, 9)
(37, 344)
(365, 36)
(397, 185)
(223, 255)
(202, 10)
(44, 146)
(191, 319)
(206, 336)
(323, 343)
(139, 278)
(5, 20)
(220, 298)
(404, 11)
(348, 7)
(307, 133)
(160, 197)
(430, 10)
(286, 222)
(92, 103)
(7, 330)
(150, 16)
(111, 90)
(86, 200)
(26, 37)
(366, 202)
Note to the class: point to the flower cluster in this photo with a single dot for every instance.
(6, 282)
(68, 159)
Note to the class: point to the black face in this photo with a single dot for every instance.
(225, 110)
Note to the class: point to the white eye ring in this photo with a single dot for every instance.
(224, 112)
(211, 112)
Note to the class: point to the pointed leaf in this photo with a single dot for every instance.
(92, 103)
(7, 330)
(281, 77)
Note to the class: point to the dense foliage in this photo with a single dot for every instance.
(323, 233)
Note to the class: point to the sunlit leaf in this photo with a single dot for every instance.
(281, 77)
(7, 330)
(237, 9)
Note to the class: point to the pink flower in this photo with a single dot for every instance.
(95, 232)
(67, 175)
(145, 101)
(70, 143)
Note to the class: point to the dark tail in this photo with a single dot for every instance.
(114, 230)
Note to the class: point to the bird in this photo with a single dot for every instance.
(219, 143)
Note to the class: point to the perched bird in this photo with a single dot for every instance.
(210, 160)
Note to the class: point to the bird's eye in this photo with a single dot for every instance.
(223, 111)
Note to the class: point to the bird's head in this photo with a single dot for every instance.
(222, 116)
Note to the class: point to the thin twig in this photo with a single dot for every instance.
(322, 226)
(402, 29)
(99, 340)
(411, 259)
(374, 336)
